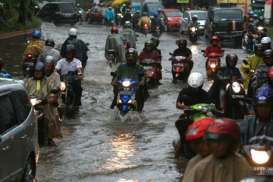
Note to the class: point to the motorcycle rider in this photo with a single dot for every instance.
(145, 19)
(133, 71)
(35, 46)
(109, 15)
(249, 66)
(156, 21)
(266, 43)
(215, 47)
(50, 50)
(224, 75)
(195, 135)
(129, 34)
(71, 64)
(182, 50)
(262, 124)
(135, 19)
(127, 16)
(194, 22)
(114, 42)
(53, 78)
(224, 164)
(155, 41)
(3, 73)
(191, 95)
(80, 46)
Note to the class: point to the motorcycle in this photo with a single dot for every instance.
(213, 64)
(152, 72)
(28, 65)
(260, 159)
(37, 104)
(156, 31)
(249, 41)
(193, 34)
(180, 67)
(126, 100)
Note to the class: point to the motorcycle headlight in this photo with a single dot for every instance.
(120, 15)
(193, 29)
(126, 83)
(260, 28)
(62, 86)
(236, 87)
(213, 65)
(260, 156)
(34, 101)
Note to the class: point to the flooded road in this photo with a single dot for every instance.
(101, 146)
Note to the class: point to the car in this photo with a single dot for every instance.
(94, 15)
(227, 23)
(151, 7)
(59, 12)
(172, 19)
(18, 133)
(187, 18)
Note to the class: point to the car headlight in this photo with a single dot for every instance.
(236, 87)
(62, 86)
(126, 83)
(260, 156)
(193, 29)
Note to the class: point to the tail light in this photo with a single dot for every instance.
(146, 26)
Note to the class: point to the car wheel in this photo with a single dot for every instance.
(29, 171)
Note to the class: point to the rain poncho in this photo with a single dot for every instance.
(130, 36)
(36, 88)
(114, 42)
(109, 15)
(34, 47)
(49, 51)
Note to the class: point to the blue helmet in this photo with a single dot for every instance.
(36, 34)
(264, 94)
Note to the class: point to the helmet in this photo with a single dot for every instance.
(258, 47)
(182, 43)
(196, 80)
(197, 129)
(270, 73)
(37, 34)
(264, 94)
(251, 13)
(266, 40)
(114, 29)
(231, 59)
(70, 48)
(194, 18)
(40, 66)
(268, 53)
(131, 55)
(155, 41)
(215, 38)
(49, 59)
(73, 32)
(50, 43)
(223, 129)
(128, 24)
(148, 43)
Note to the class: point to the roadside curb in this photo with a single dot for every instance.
(8, 35)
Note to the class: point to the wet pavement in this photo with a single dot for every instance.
(101, 146)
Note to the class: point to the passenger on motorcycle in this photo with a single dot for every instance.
(114, 42)
(223, 137)
(36, 86)
(223, 77)
(35, 46)
(145, 19)
(191, 95)
(49, 50)
(215, 47)
(53, 78)
(131, 70)
(80, 47)
(3, 73)
(71, 64)
(255, 128)
(248, 67)
(195, 135)
(129, 34)
(149, 53)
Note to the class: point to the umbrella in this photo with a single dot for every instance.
(116, 3)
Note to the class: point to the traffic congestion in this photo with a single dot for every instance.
(138, 91)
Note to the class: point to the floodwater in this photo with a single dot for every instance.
(101, 146)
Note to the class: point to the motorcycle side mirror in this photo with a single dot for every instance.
(171, 54)
(203, 51)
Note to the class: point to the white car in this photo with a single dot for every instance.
(187, 18)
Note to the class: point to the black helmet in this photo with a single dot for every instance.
(131, 56)
(231, 60)
(50, 43)
(70, 48)
(268, 53)
(155, 41)
(148, 43)
(182, 43)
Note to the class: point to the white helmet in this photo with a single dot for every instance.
(73, 32)
(49, 59)
(196, 80)
(266, 40)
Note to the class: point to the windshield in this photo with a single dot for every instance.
(200, 15)
(154, 7)
(67, 8)
(173, 14)
(231, 14)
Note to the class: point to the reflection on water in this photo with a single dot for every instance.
(127, 180)
(123, 147)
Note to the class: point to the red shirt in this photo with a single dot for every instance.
(213, 49)
(154, 55)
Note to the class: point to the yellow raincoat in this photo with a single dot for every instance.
(34, 47)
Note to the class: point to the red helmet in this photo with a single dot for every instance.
(114, 29)
(197, 129)
(215, 38)
(223, 128)
(270, 73)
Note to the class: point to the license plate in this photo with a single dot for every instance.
(263, 171)
(126, 92)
